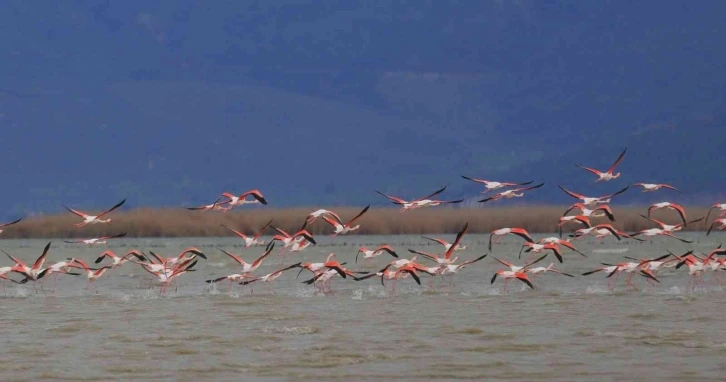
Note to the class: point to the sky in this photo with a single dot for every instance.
(169, 103)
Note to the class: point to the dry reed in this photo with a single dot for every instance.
(147, 222)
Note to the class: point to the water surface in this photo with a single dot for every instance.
(569, 328)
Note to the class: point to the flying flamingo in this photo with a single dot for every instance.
(607, 175)
(56, 269)
(341, 228)
(509, 194)
(270, 276)
(720, 222)
(658, 232)
(31, 273)
(591, 201)
(445, 243)
(720, 207)
(300, 246)
(241, 200)
(446, 259)
(94, 219)
(490, 185)
(650, 187)
(668, 227)
(288, 240)
(549, 268)
(249, 267)
(216, 206)
(600, 230)
(371, 253)
(97, 240)
(6, 225)
(116, 260)
(250, 241)
(320, 213)
(537, 248)
(426, 201)
(521, 232)
(597, 212)
(455, 268)
(166, 276)
(672, 206)
(92, 274)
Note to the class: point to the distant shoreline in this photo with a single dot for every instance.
(166, 222)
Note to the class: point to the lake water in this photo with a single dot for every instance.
(566, 329)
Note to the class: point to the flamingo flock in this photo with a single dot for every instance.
(586, 215)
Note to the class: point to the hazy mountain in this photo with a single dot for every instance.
(170, 103)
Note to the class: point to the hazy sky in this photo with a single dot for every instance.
(171, 102)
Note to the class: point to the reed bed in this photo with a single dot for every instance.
(148, 222)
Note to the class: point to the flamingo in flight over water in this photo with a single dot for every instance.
(341, 228)
(235, 201)
(591, 201)
(94, 219)
(607, 175)
(509, 194)
(490, 185)
(425, 201)
(8, 224)
(650, 187)
(250, 241)
(96, 240)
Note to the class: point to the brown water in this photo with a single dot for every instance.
(567, 329)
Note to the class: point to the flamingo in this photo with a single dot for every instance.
(455, 268)
(341, 228)
(97, 240)
(31, 273)
(55, 270)
(537, 248)
(598, 212)
(446, 244)
(559, 241)
(94, 219)
(91, 274)
(658, 232)
(506, 275)
(249, 267)
(250, 241)
(720, 222)
(591, 201)
(314, 267)
(446, 259)
(607, 268)
(216, 206)
(120, 260)
(509, 194)
(270, 276)
(521, 232)
(607, 175)
(320, 213)
(490, 185)
(630, 268)
(7, 225)
(300, 246)
(371, 253)
(584, 220)
(549, 268)
(166, 276)
(426, 201)
(720, 207)
(235, 201)
(650, 187)
(672, 206)
(600, 230)
(668, 227)
(287, 239)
